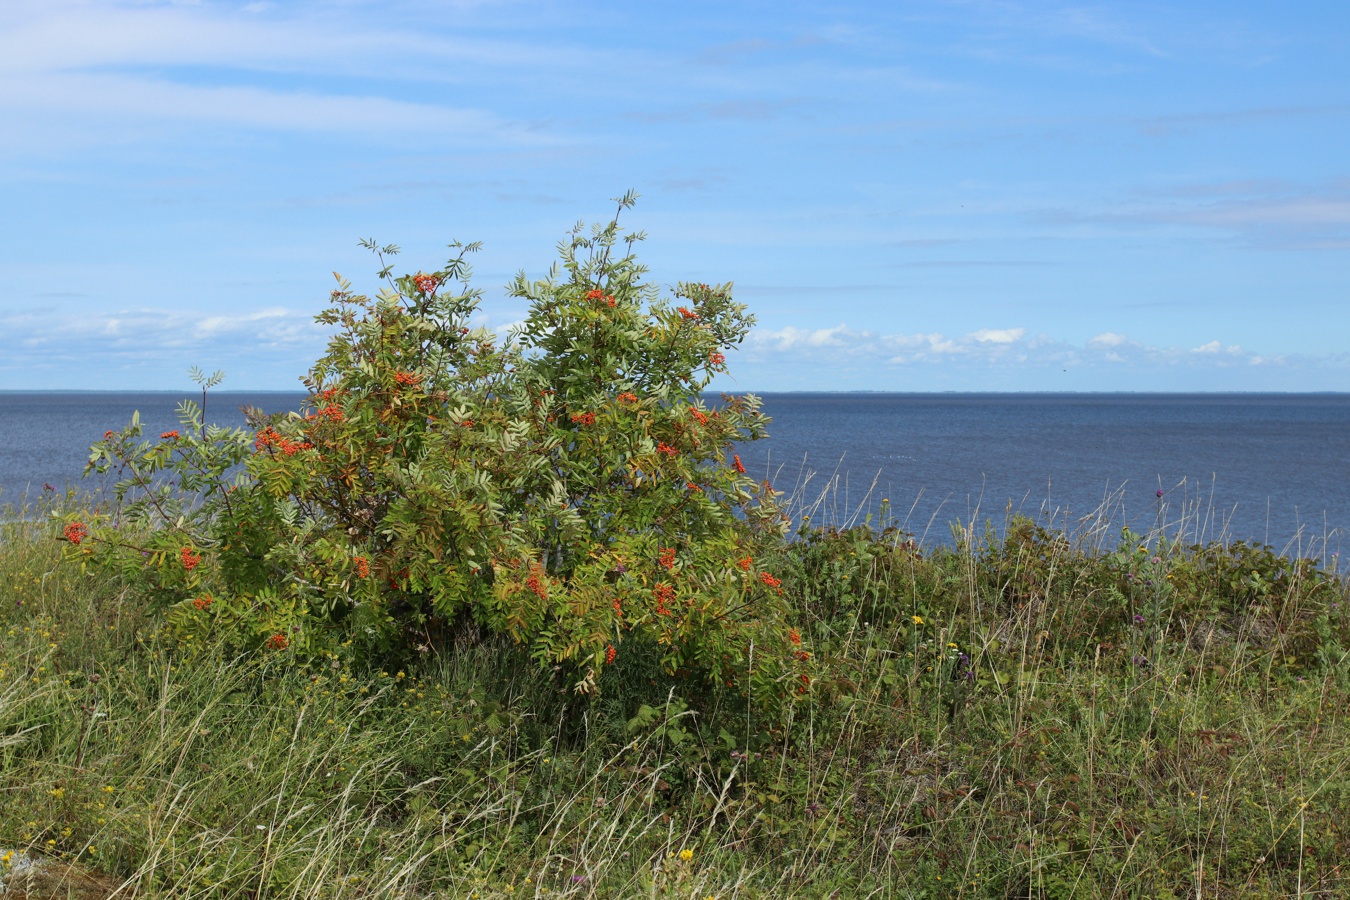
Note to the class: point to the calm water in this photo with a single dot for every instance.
(1265, 467)
(45, 437)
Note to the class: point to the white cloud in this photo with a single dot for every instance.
(1005, 348)
(998, 335)
(843, 340)
(1297, 211)
(941, 345)
(264, 348)
(1217, 347)
(65, 37)
(220, 326)
(1268, 212)
(1108, 339)
(144, 333)
(791, 337)
(118, 96)
(78, 67)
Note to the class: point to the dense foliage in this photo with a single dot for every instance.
(567, 487)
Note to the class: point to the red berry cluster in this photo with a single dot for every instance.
(268, 437)
(75, 532)
(425, 283)
(202, 602)
(535, 584)
(584, 418)
(169, 436)
(665, 593)
(278, 642)
(362, 566)
(698, 415)
(688, 313)
(667, 559)
(189, 559)
(663, 447)
(411, 379)
(737, 464)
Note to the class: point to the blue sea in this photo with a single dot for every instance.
(1270, 468)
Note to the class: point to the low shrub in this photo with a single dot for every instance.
(567, 487)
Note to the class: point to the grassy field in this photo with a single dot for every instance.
(1027, 715)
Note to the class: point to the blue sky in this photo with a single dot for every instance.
(910, 196)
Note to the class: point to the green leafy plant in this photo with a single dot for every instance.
(568, 486)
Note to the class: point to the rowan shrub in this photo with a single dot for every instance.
(567, 486)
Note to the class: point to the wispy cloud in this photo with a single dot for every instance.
(1051, 35)
(992, 347)
(1183, 122)
(68, 36)
(997, 335)
(1216, 347)
(147, 332)
(279, 335)
(120, 97)
(1260, 212)
(843, 342)
(1108, 339)
(747, 110)
(116, 66)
